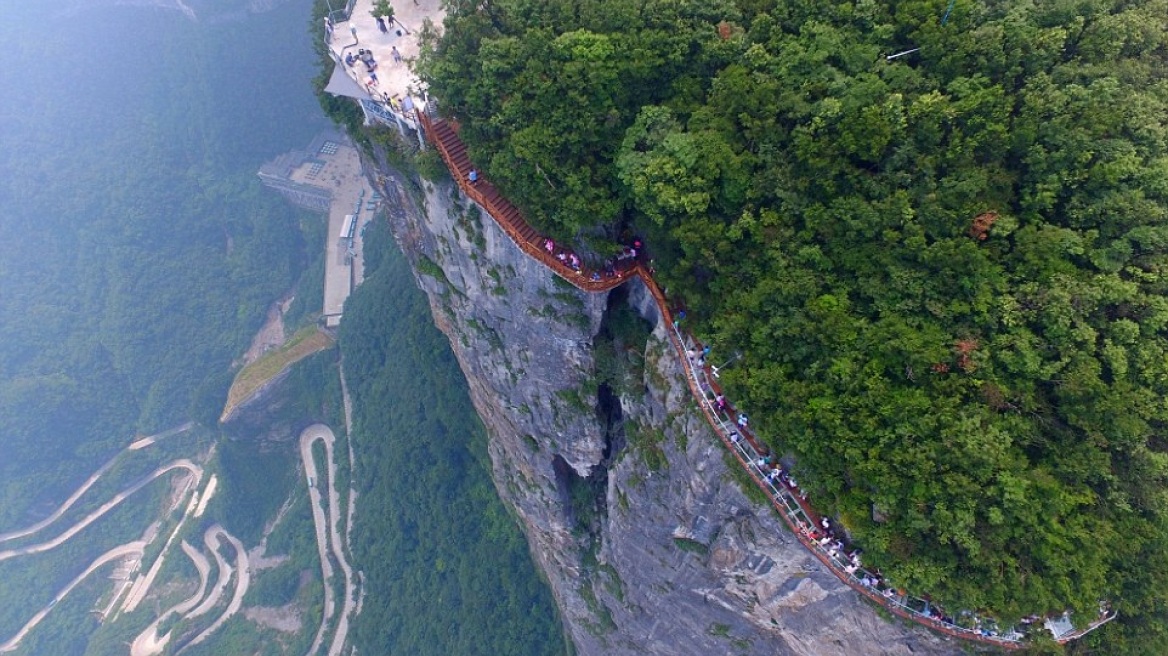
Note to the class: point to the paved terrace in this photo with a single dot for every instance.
(328, 177)
(341, 174)
(391, 90)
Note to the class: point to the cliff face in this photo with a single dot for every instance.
(625, 494)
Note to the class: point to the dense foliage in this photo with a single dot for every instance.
(447, 568)
(946, 271)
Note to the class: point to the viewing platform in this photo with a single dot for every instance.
(382, 83)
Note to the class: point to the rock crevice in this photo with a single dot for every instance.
(623, 490)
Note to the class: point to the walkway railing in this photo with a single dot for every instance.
(798, 515)
(341, 15)
(453, 152)
(804, 522)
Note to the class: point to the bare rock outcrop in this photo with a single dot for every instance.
(661, 555)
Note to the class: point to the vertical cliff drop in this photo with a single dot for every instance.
(623, 490)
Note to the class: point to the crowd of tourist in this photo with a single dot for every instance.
(613, 267)
(820, 533)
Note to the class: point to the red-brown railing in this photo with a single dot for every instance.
(790, 506)
(482, 192)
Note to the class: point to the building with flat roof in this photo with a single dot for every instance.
(306, 177)
(327, 177)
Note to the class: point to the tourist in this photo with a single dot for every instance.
(743, 420)
(367, 57)
(473, 176)
(396, 55)
(381, 25)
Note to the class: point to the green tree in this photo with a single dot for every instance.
(945, 271)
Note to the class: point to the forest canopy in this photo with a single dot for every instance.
(945, 271)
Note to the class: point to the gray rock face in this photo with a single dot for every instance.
(645, 555)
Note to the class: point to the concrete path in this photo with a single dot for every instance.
(139, 444)
(148, 642)
(211, 537)
(29, 530)
(142, 585)
(191, 467)
(151, 439)
(224, 573)
(347, 402)
(328, 536)
(129, 549)
(350, 192)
